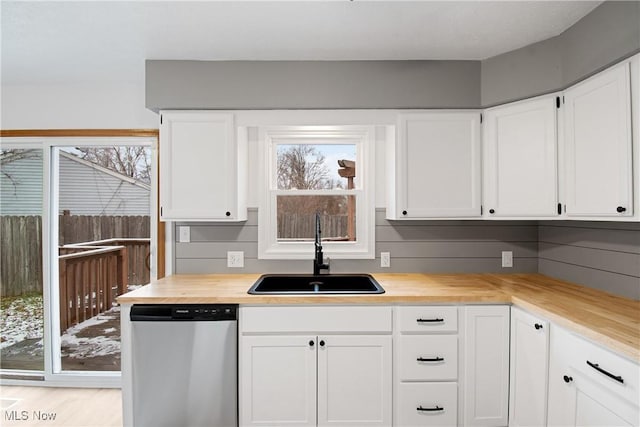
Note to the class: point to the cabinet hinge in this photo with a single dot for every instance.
(557, 102)
(559, 208)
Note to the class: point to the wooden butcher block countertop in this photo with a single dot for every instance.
(602, 317)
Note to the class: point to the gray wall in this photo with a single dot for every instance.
(416, 246)
(608, 34)
(311, 84)
(603, 255)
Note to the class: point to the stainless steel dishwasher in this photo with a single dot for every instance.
(185, 365)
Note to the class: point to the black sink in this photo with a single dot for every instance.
(321, 284)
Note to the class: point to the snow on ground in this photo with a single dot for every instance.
(21, 319)
(77, 342)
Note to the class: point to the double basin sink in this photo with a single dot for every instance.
(308, 284)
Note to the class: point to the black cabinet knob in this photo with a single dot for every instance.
(621, 209)
(228, 214)
(567, 379)
(492, 211)
(321, 343)
(538, 326)
(404, 212)
(311, 343)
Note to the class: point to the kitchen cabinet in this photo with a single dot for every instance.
(598, 146)
(590, 386)
(528, 369)
(520, 176)
(281, 386)
(485, 365)
(291, 374)
(426, 366)
(203, 167)
(434, 167)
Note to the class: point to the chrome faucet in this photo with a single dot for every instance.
(318, 262)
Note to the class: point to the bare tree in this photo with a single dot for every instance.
(134, 162)
(8, 156)
(302, 167)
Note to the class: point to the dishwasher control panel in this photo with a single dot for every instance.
(177, 312)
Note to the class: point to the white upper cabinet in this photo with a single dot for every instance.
(435, 166)
(520, 159)
(202, 167)
(598, 155)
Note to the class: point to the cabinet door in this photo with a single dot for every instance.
(198, 166)
(354, 380)
(278, 381)
(598, 145)
(520, 152)
(486, 365)
(438, 165)
(580, 394)
(529, 369)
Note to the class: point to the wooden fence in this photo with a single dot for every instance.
(20, 255)
(21, 246)
(297, 226)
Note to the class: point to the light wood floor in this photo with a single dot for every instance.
(71, 407)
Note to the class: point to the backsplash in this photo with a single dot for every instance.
(603, 255)
(415, 246)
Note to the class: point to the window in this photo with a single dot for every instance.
(309, 170)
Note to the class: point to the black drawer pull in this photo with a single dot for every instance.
(437, 408)
(567, 379)
(602, 371)
(429, 320)
(538, 326)
(430, 359)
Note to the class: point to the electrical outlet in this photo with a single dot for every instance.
(185, 233)
(507, 259)
(385, 259)
(235, 259)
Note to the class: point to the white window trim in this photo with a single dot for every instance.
(364, 138)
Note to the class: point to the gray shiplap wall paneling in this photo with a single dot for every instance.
(602, 255)
(415, 246)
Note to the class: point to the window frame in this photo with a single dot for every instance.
(363, 137)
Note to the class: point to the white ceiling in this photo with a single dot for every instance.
(45, 42)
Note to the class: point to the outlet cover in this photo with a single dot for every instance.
(185, 233)
(385, 259)
(235, 259)
(507, 259)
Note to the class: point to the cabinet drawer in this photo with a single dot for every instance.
(429, 348)
(316, 320)
(427, 404)
(428, 319)
(615, 373)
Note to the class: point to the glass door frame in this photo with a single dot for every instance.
(53, 375)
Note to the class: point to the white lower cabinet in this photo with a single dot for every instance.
(336, 374)
(426, 366)
(278, 381)
(427, 404)
(590, 386)
(354, 380)
(486, 365)
(528, 369)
